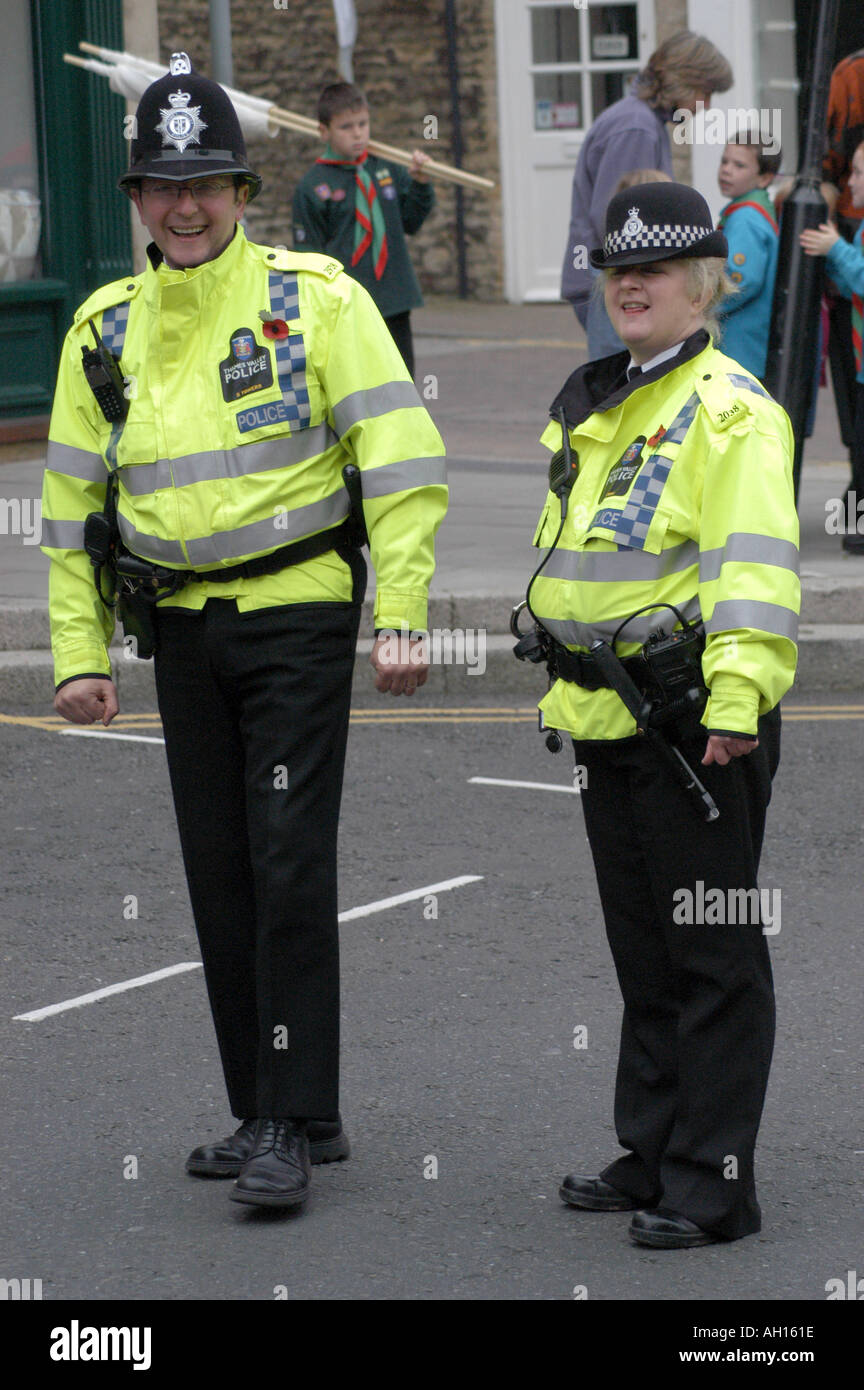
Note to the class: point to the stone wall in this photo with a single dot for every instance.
(670, 17)
(288, 54)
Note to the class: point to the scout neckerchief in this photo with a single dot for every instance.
(757, 199)
(368, 217)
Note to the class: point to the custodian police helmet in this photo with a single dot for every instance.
(186, 128)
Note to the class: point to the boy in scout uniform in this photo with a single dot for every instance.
(359, 208)
(750, 225)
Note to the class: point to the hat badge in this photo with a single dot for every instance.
(634, 224)
(180, 125)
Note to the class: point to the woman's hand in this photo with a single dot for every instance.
(721, 748)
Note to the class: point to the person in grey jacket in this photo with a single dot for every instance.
(631, 134)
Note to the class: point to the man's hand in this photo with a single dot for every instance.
(415, 168)
(87, 699)
(721, 749)
(818, 241)
(400, 663)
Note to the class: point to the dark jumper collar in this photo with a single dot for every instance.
(603, 384)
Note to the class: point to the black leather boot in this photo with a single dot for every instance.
(278, 1171)
(225, 1158)
(328, 1143)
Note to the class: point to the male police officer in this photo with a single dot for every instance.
(253, 377)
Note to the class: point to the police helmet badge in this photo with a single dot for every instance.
(634, 224)
(187, 128)
(181, 125)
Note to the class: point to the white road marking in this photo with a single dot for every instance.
(415, 893)
(35, 1015)
(534, 786)
(99, 733)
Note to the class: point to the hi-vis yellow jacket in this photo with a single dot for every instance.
(235, 441)
(684, 495)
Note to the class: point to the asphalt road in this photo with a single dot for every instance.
(458, 1034)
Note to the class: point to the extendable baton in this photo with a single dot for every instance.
(629, 692)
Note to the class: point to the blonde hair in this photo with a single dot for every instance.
(706, 275)
(637, 176)
(680, 69)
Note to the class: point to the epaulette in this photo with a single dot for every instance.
(280, 258)
(118, 292)
(726, 402)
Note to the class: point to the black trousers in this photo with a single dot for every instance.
(856, 453)
(841, 355)
(698, 1027)
(255, 711)
(400, 332)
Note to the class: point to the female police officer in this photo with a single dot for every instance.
(678, 517)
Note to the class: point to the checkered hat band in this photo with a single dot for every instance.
(661, 235)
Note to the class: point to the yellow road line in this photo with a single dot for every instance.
(426, 714)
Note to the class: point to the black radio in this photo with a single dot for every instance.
(675, 661)
(105, 379)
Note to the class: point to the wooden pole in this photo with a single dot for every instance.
(304, 125)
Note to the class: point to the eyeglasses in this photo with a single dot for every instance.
(170, 192)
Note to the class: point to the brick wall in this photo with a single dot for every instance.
(288, 55)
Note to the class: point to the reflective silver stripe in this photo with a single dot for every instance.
(261, 536)
(162, 552)
(639, 630)
(63, 535)
(75, 463)
(266, 455)
(396, 477)
(735, 613)
(747, 547)
(620, 566)
(378, 400)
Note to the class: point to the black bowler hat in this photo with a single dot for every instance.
(657, 222)
(186, 128)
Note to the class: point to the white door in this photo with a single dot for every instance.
(758, 38)
(560, 63)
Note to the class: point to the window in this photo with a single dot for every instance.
(19, 175)
(583, 57)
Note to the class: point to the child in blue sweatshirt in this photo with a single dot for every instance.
(844, 262)
(746, 169)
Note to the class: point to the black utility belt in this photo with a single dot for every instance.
(340, 537)
(583, 669)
